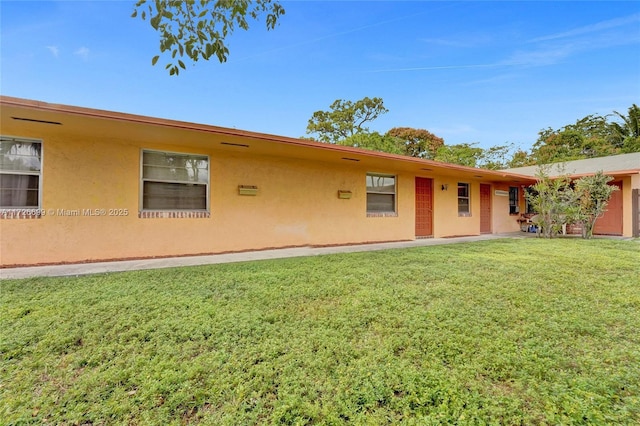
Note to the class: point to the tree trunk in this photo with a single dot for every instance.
(587, 228)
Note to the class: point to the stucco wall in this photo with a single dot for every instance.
(447, 222)
(502, 220)
(297, 204)
(627, 206)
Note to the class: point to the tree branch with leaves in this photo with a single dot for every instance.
(199, 29)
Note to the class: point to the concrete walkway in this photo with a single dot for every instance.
(170, 262)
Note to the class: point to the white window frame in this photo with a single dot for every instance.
(185, 154)
(467, 197)
(395, 193)
(4, 138)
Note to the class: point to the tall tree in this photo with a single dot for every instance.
(345, 119)
(417, 142)
(198, 29)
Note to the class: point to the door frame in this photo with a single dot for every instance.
(490, 210)
(430, 210)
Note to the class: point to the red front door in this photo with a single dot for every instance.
(485, 208)
(611, 222)
(424, 207)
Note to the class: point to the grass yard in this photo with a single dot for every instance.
(527, 331)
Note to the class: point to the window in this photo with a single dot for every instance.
(381, 193)
(172, 181)
(463, 199)
(20, 167)
(514, 205)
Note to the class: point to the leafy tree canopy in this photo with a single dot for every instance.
(498, 157)
(198, 29)
(375, 142)
(520, 158)
(464, 154)
(589, 137)
(469, 154)
(417, 142)
(345, 119)
(627, 133)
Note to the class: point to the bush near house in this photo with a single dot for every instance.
(526, 331)
(553, 200)
(593, 194)
(558, 201)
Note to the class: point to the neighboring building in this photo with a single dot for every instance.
(623, 212)
(80, 184)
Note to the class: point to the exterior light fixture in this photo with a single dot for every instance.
(445, 186)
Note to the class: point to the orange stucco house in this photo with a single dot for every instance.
(81, 184)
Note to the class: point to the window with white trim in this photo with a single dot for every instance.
(381, 193)
(464, 205)
(174, 181)
(20, 173)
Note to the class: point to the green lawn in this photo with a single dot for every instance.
(507, 331)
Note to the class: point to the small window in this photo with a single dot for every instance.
(464, 207)
(20, 173)
(514, 204)
(381, 193)
(172, 181)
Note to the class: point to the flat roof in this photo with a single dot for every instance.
(65, 118)
(612, 165)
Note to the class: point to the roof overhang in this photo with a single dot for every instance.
(65, 119)
(616, 173)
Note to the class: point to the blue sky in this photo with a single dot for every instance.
(479, 71)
